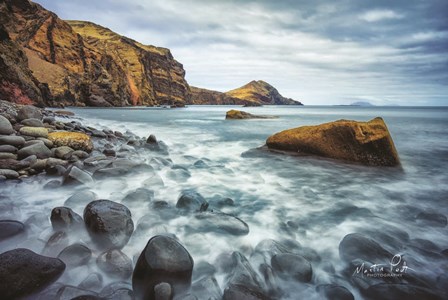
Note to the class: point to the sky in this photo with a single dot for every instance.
(319, 52)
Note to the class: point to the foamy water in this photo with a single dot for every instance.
(268, 189)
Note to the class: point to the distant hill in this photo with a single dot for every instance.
(254, 93)
(361, 103)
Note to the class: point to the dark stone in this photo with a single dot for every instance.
(334, 292)
(163, 260)
(75, 255)
(76, 176)
(241, 292)
(109, 223)
(65, 218)
(109, 152)
(432, 218)
(23, 272)
(139, 196)
(8, 149)
(29, 112)
(10, 228)
(113, 287)
(243, 274)
(292, 266)
(220, 222)
(16, 141)
(190, 201)
(13, 164)
(115, 263)
(162, 291)
(39, 149)
(5, 126)
(49, 120)
(387, 291)
(355, 245)
(32, 123)
(151, 139)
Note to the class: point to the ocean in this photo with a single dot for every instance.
(311, 201)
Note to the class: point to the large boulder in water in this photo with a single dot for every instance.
(368, 143)
(109, 223)
(163, 260)
(23, 272)
(356, 246)
(234, 114)
(292, 266)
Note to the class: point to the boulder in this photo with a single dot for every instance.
(29, 112)
(9, 174)
(75, 176)
(242, 292)
(190, 201)
(334, 292)
(356, 246)
(239, 115)
(12, 164)
(64, 218)
(34, 131)
(40, 150)
(367, 143)
(8, 149)
(9, 228)
(292, 266)
(93, 282)
(5, 126)
(115, 263)
(221, 222)
(74, 140)
(63, 152)
(109, 223)
(75, 255)
(13, 140)
(163, 260)
(23, 273)
(32, 123)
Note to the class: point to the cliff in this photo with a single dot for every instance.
(71, 58)
(254, 93)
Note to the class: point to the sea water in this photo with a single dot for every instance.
(268, 189)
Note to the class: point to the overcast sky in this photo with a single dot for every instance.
(319, 52)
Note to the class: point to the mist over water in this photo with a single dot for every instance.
(315, 202)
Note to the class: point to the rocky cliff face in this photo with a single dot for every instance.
(254, 93)
(71, 58)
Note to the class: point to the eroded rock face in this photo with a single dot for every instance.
(109, 223)
(23, 272)
(163, 260)
(368, 143)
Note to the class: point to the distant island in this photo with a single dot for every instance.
(361, 103)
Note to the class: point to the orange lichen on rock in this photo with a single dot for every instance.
(74, 140)
(367, 143)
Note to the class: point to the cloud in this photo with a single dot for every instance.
(380, 15)
(320, 52)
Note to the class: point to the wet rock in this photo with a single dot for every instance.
(23, 272)
(34, 131)
(16, 141)
(8, 149)
(109, 152)
(139, 196)
(65, 218)
(243, 274)
(162, 291)
(334, 292)
(75, 176)
(221, 222)
(400, 291)
(241, 292)
(206, 288)
(5, 126)
(29, 112)
(163, 260)
(10, 228)
(80, 154)
(292, 266)
(56, 243)
(74, 140)
(69, 292)
(355, 245)
(48, 120)
(75, 255)
(190, 201)
(9, 174)
(63, 152)
(151, 139)
(154, 181)
(93, 282)
(32, 123)
(40, 150)
(114, 287)
(115, 263)
(432, 218)
(367, 143)
(109, 223)
(80, 199)
(98, 133)
(52, 184)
